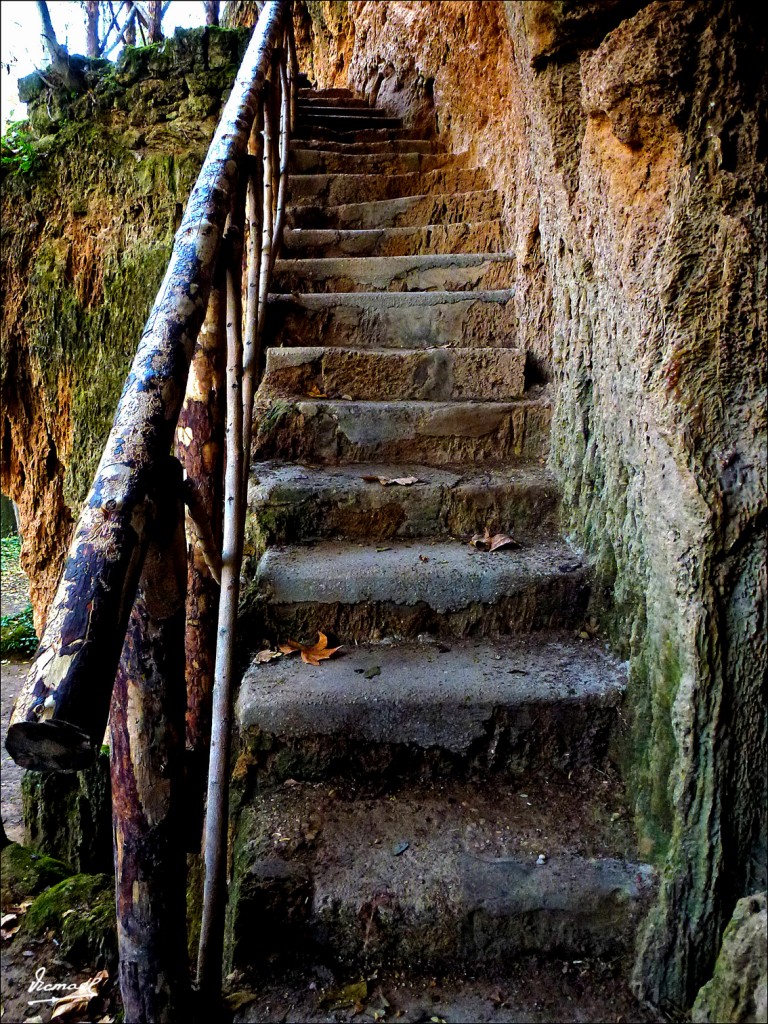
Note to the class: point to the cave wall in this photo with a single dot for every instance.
(86, 234)
(629, 140)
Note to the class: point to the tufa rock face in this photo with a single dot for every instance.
(738, 990)
(87, 232)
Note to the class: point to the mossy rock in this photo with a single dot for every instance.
(80, 911)
(25, 873)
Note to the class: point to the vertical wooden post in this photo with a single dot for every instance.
(147, 762)
(200, 443)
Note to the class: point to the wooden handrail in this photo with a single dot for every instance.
(61, 715)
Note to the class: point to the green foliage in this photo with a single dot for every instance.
(17, 151)
(17, 634)
(10, 551)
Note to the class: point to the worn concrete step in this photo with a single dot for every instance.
(448, 272)
(523, 990)
(434, 433)
(314, 161)
(477, 236)
(338, 189)
(356, 591)
(429, 375)
(394, 319)
(341, 107)
(435, 878)
(348, 132)
(311, 92)
(323, 100)
(425, 709)
(290, 503)
(393, 146)
(309, 123)
(407, 211)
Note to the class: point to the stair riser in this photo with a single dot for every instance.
(312, 162)
(321, 94)
(465, 322)
(554, 604)
(354, 109)
(449, 272)
(384, 432)
(349, 132)
(311, 125)
(363, 148)
(339, 189)
(485, 236)
(408, 211)
(443, 375)
(335, 102)
(285, 515)
(537, 736)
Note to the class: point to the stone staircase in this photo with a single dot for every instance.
(440, 795)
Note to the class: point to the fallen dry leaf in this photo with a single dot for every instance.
(313, 654)
(9, 925)
(315, 392)
(386, 481)
(486, 541)
(264, 656)
(75, 1003)
(349, 995)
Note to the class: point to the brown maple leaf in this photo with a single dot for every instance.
(492, 542)
(313, 654)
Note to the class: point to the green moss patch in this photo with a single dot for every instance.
(80, 912)
(23, 873)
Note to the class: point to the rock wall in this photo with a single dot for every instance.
(629, 139)
(87, 230)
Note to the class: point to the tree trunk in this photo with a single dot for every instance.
(155, 12)
(59, 54)
(92, 28)
(61, 713)
(147, 768)
(211, 12)
(129, 32)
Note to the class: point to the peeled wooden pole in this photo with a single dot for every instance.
(285, 121)
(147, 769)
(61, 714)
(211, 947)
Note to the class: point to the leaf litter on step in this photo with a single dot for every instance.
(487, 541)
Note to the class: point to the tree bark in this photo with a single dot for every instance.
(92, 28)
(211, 12)
(155, 12)
(147, 769)
(61, 713)
(129, 32)
(199, 442)
(59, 54)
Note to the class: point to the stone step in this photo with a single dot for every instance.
(522, 989)
(289, 503)
(311, 122)
(407, 211)
(473, 237)
(356, 592)
(433, 433)
(339, 189)
(449, 272)
(349, 132)
(341, 107)
(345, 102)
(423, 710)
(335, 93)
(434, 878)
(314, 161)
(428, 375)
(393, 146)
(394, 319)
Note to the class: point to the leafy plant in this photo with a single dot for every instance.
(17, 153)
(10, 550)
(17, 634)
